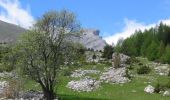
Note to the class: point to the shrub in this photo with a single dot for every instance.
(132, 60)
(159, 88)
(143, 70)
(130, 67)
(169, 73)
(127, 74)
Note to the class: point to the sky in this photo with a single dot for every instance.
(114, 18)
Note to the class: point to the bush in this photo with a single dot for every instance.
(132, 60)
(169, 73)
(130, 67)
(127, 74)
(143, 70)
(159, 88)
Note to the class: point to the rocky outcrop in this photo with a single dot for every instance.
(91, 39)
(162, 69)
(85, 85)
(149, 89)
(123, 58)
(80, 73)
(115, 76)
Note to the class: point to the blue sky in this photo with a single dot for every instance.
(111, 17)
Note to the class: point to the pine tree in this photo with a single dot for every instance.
(166, 56)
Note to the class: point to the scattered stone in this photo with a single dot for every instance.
(166, 93)
(80, 73)
(32, 95)
(115, 76)
(6, 74)
(85, 85)
(3, 85)
(149, 89)
(162, 69)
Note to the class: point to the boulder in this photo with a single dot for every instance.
(149, 89)
(3, 85)
(123, 58)
(166, 93)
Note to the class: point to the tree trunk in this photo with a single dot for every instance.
(49, 95)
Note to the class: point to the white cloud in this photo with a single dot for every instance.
(13, 13)
(130, 27)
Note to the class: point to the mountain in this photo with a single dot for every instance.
(9, 32)
(90, 37)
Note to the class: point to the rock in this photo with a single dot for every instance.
(91, 40)
(166, 93)
(115, 76)
(162, 69)
(32, 95)
(149, 89)
(85, 85)
(3, 85)
(123, 58)
(80, 73)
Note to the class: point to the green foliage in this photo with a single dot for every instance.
(152, 51)
(158, 88)
(132, 60)
(169, 73)
(108, 51)
(166, 56)
(152, 43)
(143, 70)
(43, 51)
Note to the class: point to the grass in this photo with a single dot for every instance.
(133, 90)
(129, 91)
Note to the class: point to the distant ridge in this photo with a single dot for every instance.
(9, 32)
(90, 37)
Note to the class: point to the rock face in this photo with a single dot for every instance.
(149, 89)
(80, 73)
(86, 85)
(91, 39)
(115, 76)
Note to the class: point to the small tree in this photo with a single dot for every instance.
(108, 51)
(94, 57)
(42, 51)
